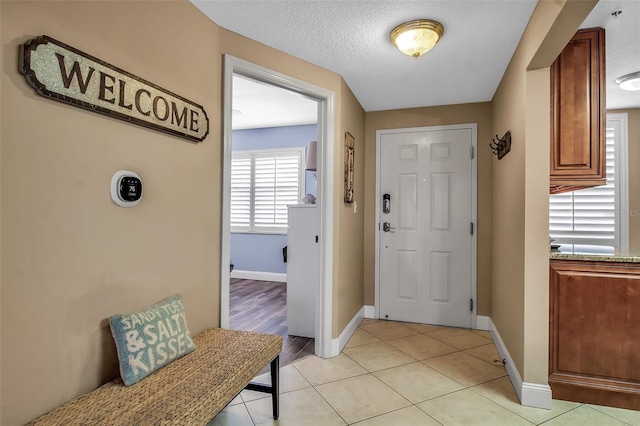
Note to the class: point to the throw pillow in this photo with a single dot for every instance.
(150, 338)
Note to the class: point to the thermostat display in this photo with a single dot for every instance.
(126, 188)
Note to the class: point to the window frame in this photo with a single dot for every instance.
(252, 154)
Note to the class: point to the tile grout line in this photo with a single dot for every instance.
(329, 404)
(498, 404)
(473, 387)
(602, 412)
(560, 415)
(421, 361)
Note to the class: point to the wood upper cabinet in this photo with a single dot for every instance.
(578, 113)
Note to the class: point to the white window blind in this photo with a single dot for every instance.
(591, 217)
(263, 184)
(241, 190)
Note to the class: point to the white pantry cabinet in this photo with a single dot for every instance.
(302, 269)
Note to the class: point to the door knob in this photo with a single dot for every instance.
(386, 227)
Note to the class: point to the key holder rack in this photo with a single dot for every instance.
(502, 146)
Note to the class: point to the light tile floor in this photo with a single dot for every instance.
(393, 373)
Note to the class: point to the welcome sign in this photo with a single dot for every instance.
(58, 71)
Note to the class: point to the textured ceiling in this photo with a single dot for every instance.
(622, 35)
(351, 38)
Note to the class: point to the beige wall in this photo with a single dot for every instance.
(520, 185)
(70, 258)
(432, 116)
(633, 120)
(349, 254)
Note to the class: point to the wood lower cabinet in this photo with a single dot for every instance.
(578, 113)
(594, 336)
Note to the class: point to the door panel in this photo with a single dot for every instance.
(440, 263)
(425, 258)
(407, 279)
(407, 188)
(439, 201)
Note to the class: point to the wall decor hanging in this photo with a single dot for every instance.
(502, 146)
(63, 73)
(349, 148)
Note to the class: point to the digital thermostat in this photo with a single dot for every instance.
(126, 188)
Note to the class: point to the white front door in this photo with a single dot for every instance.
(425, 250)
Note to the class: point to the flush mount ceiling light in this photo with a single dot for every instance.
(629, 82)
(415, 38)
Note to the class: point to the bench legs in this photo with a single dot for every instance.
(275, 386)
(274, 389)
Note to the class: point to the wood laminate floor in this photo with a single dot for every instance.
(262, 306)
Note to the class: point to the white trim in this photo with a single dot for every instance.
(326, 136)
(369, 311)
(529, 394)
(325, 189)
(622, 168)
(474, 219)
(338, 344)
(483, 323)
(535, 395)
(259, 276)
(512, 371)
(225, 243)
(474, 208)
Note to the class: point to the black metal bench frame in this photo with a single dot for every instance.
(273, 389)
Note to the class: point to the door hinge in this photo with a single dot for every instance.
(316, 238)
(471, 228)
(471, 305)
(472, 152)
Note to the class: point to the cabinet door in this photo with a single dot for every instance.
(594, 335)
(578, 113)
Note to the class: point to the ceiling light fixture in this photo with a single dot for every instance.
(629, 82)
(415, 38)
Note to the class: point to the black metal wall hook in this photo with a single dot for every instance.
(502, 146)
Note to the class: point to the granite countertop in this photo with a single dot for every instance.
(619, 255)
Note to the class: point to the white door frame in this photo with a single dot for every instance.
(474, 207)
(326, 126)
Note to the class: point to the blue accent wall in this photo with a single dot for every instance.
(263, 252)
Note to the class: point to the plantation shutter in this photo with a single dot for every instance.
(241, 189)
(588, 216)
(263, 184)
(277, 183)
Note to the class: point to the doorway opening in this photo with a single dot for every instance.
(271, 169)
(235, 71)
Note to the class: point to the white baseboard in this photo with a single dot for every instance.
(529, 394)
(535, 395)
(369, 311)
(338, 344)
(259, 276)
(482, 322)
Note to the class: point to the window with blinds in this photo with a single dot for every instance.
(263, 184)
(591, 218)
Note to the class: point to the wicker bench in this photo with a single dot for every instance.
(189, 391)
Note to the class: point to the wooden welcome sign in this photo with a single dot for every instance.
(60, 72)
